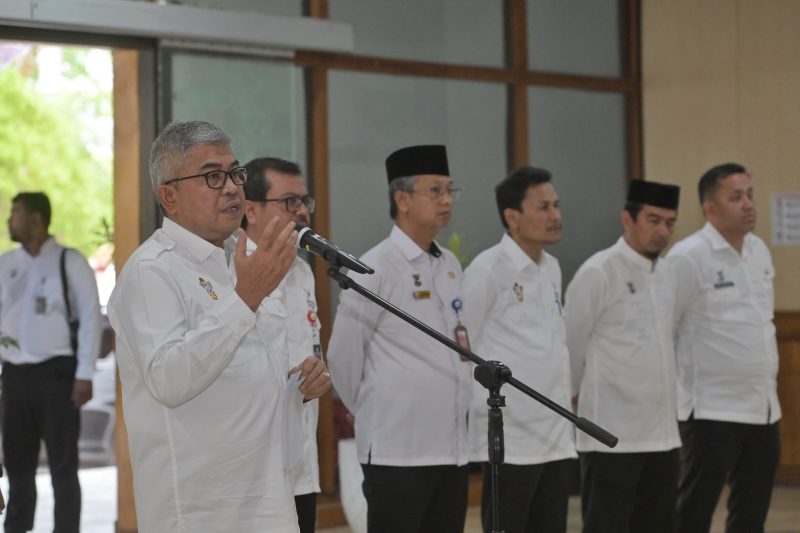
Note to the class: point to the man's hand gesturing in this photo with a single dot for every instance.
(259, 273)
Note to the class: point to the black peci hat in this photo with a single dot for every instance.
(655, 194)
(416, 160)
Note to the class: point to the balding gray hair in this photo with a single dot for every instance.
(171, 145)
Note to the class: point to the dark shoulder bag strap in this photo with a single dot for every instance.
(72, 321)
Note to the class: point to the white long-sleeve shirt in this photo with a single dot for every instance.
(513, 315)
(296, 293)
(200, 382)
(726, 346)
(619, 332)
(409, 393)
(33, 312)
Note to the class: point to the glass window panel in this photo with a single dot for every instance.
(446, 31)
(574, 36)
(374, 115)
(580, 137)
(257, 101)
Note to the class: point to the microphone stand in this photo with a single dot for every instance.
(490, 374)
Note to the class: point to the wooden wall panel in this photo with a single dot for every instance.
(688, 75)
(126, 239)
(720, 83)
(768, 119)
(788, 325)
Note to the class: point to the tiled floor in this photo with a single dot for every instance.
(784, 515)
(100, 506)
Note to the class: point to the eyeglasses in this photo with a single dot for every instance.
(436, 192)
(293, 202)
(216, 179)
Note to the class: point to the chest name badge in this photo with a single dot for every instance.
(519, 292)
(721, 282)
(422, 295)
(209, 289)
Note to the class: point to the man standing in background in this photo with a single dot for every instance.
(409, 393)
(513, 296)
(727, 359)
(49, 305)
(619, 333)
(276, 188)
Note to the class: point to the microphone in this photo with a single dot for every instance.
(308, 240)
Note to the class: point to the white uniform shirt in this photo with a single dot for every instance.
(201, 381)
(33, 312)
(409, 393)
(297, 294)
(619, 333)
(726, 346)
(514, 316)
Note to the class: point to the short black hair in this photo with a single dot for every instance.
(634, 208)
(257, 185)
(35, 202)
(709, 181)
(510, 192)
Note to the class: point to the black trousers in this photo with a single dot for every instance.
(306, 505)
(533, 498)
(416, 499)
(745, 455)
(628, 492)
(37, 405)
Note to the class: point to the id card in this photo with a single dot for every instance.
(41, 305)
(462, 339)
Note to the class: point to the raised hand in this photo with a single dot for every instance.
(259, 273)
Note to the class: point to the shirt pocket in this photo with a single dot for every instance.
(723, 303)
(51, 295)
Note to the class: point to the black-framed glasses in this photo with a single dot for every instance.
(436, 192)
(293, 202)
(216, 179)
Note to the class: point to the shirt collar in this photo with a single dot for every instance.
(633, 256)
(518, 257)
(718, 242)
(48, 246)
(408, 247)
(200, 248)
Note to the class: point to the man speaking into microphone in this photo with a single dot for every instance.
(409, 393)
(276, 188)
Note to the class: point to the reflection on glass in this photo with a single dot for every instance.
(466, 32)
(580, 137)
(259, 102)
(574, 36)
(373, 115)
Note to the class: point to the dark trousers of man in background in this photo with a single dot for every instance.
(629, 492)
(532, 497)
(416, 499)
(37, 405)
(714, 452)
(306, 505)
